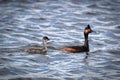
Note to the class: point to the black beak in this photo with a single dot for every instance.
(91, 31)
(48, 39)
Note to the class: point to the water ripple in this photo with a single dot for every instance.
(24, 23)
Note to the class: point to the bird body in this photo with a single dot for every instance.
(84, 48)
(39, 50)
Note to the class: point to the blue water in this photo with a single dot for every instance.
(23, 23)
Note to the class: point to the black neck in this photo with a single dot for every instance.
(86, 43)
(86, 36)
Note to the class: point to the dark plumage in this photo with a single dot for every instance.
(84, 48)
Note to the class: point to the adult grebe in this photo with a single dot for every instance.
(42, 50)
(84, 48)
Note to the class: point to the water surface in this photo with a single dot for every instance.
(24, 23)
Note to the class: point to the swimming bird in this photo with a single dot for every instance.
(40, 50)
(84, 48)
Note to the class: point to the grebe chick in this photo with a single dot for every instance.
(42, 50)
(84, 48)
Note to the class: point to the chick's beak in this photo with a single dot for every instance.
(48, 39)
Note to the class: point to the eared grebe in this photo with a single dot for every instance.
(38, 50)
(84, 48)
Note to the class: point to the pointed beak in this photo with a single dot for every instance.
(91, 31)
(48, 39)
